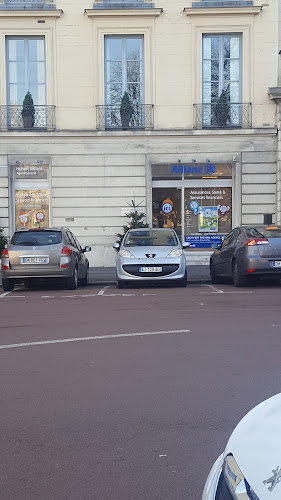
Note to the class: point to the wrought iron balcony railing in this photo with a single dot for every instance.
(43, 118)
(217, 115)
(123, 4)
(110, 118)
(27, 5)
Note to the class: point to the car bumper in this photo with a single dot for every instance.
(36, 273)
(211, 484)
(129, 269)
(261, 266)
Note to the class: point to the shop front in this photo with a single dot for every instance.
(195, 199)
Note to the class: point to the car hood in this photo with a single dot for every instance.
(256, 446)
(157, 252)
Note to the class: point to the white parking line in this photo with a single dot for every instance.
(4, 294)
(83, 339)
(101, 292)
(214, 288)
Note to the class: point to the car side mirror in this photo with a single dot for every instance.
(116, 246)
(87, 249)
(186, 244)
(215, 245)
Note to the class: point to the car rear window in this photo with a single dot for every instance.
(36, 238)
(264, 232)
(150, 238)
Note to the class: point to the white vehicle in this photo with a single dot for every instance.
(250, 467)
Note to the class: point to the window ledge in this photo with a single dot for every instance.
(275, 94)
(30, 13)
(222, 3)
(100, 13)
(223, 11)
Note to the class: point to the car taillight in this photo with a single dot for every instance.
(259, 241)
(5, 255)
(66, 251)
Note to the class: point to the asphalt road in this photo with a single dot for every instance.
(129, 417)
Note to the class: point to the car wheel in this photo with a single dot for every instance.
(120, 284)
(238, 279)
(183, 282)
(85, 281)
(214, 277)
(8, 285)
(72, 282)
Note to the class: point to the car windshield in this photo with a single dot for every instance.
(150, 238)
(264, 232)
(36, 238)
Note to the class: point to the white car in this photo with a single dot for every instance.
(250, 467)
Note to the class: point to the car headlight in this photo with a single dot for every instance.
(235, 482)
(177, 252)
(127, 254)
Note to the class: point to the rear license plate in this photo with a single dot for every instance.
(150, 269)
(34, 260)
(276, 263)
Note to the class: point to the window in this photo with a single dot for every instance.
(124, 73)
(26, 72)
(221, 80)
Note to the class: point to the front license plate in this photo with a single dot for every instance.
(150, 269)
(276, 263)
(34, 260)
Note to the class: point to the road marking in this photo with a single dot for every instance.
(120, 295)
(4, 294)
(101, 337)
(214, 288)
(145, 294)
(47, 296)
(17, 296)
(101, 292)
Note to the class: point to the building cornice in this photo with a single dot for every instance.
(30, 13)
(275, 94)
(223, 11)
(106, 13)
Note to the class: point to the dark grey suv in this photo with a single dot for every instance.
(246, 252)
(44, 253)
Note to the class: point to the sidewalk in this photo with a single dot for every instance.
(106, 275)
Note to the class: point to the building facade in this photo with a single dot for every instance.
(165, 103)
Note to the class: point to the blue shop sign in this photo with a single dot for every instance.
(208, 169)
(204, 240)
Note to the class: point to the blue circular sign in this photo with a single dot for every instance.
(210, 168)
(167, 208)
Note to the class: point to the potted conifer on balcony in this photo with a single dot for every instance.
(222, 112)
(126, 110)
(28, 111)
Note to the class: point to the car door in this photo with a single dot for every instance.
(227, 252)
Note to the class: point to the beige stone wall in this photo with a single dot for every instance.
(93, 178)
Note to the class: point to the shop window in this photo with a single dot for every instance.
(166, 208)
(208, 215)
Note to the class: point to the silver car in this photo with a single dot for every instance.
(248, 252)
(44, 253)
(150, 255)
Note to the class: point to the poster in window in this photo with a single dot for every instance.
(31, 208)
(208, 219)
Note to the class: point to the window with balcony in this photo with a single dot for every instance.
(125, 106)
(27, 5)
(26, 72)
(221, 84)
(123, 4)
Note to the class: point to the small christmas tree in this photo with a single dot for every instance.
(136, 220)
(28, 111)
(222, 109)
(3, 241)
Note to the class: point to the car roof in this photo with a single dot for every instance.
(26, 229)
(152, 229)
